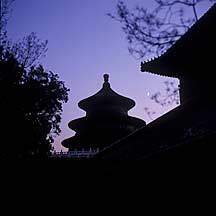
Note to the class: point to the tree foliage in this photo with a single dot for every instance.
(31, 98)
(31, 105)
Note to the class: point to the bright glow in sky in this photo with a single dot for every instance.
(84, 43)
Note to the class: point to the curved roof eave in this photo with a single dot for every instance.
(187, 50)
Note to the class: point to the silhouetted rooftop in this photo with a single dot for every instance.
(191, 53)
(106, 96)
(106, 120)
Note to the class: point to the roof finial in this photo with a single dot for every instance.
(106, 77)
(106, 83)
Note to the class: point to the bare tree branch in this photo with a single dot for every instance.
(152, 32)
(169, 97)
(27, 51)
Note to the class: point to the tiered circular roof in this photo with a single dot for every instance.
(106, 96)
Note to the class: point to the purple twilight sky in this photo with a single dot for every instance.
(84, 43)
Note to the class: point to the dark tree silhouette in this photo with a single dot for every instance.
(30, 97)
(31, 104)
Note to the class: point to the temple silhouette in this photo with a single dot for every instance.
(106, 121)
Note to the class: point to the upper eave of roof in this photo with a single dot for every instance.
(192, 48)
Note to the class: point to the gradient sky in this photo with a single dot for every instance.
(84, 43)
